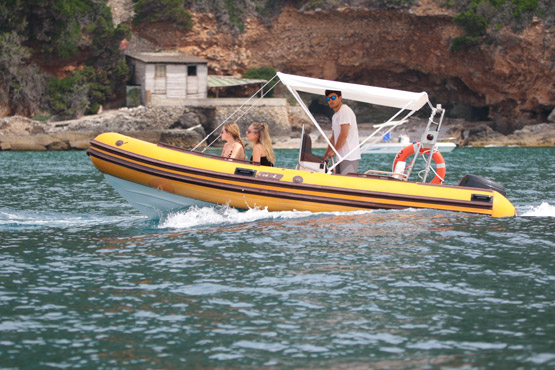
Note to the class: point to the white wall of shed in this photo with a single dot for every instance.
(177, 80)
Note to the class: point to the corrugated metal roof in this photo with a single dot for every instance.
(225, 81)
(166, 57)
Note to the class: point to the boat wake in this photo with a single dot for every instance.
(225, 215)
(543, 210)
(222, 215)
(10, 218)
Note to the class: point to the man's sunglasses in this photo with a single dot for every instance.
(328, 98)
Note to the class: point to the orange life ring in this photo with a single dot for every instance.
(436, 156)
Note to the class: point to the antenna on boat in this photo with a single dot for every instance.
(430, 137)
(237, 110)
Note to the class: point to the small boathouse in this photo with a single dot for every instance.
(166, 78)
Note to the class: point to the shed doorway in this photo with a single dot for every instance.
(192, 80)
(160, 79)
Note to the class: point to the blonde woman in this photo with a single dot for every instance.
(262, 152)
(233, 148)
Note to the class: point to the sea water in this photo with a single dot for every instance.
(87, 282)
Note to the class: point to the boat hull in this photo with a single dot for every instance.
(157, 179)
(152, 202)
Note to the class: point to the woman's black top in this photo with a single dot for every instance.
(264, 161)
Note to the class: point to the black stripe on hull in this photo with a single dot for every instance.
(248, 188)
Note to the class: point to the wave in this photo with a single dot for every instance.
(13, 218)
(225, 215)
(543, 210)
(218, 215)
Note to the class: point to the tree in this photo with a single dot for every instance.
(23, 84)
(64, 31)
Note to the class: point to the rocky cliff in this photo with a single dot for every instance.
(510, 82)
(503, 87)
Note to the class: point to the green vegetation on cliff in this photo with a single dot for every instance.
(78, 34)
(21, 85)
(169, 11)
(264, 73)
(477, 15)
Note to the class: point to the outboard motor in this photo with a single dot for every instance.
(474, 181)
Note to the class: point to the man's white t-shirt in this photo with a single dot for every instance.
(345, 115)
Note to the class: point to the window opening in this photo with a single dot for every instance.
(160, 71)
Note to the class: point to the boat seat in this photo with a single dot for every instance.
(309, 161)
(306, 151)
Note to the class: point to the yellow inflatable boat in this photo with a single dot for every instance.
(158, 178)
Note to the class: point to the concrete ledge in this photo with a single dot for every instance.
(220, 102)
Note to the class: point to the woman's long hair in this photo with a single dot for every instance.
(233, 130)
(265, 139)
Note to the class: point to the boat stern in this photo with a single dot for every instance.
(502, 207)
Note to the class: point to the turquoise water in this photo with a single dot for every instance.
(87, 282)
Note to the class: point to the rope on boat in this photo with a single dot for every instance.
(237, 110)
(421, 176)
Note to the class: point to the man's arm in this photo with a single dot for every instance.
(329, 152)
(342, 136)
(340, 141)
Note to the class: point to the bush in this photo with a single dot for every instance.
(526, 5)
(479, 13)
(84, 91)
(42, 117)
(24, 84)
(133, 96)
(474, 24)
(235, 14)
(170, 11)
(464, 42)
(55, 25)
(264, 73)
(68, 95)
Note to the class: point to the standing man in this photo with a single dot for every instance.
(344, 136)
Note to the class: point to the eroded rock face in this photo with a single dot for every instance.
(509, 82)
(18, 125)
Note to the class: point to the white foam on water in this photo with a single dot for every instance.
(15, 218)
(217, 215)
(543, 210)
(225, 215)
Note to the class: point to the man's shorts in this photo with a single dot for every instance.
(346, 167)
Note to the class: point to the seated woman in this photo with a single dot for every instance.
(262, 151)
(233, 148)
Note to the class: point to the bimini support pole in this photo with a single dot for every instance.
(430, 136)
(312, 119)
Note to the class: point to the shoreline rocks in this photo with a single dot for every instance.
(187, 126)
